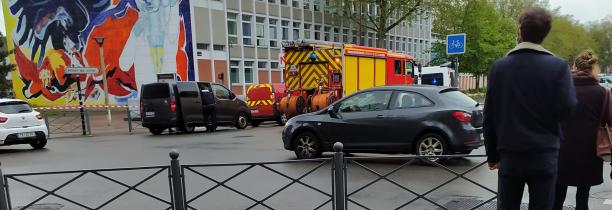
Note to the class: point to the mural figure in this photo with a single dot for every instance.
(142, 38)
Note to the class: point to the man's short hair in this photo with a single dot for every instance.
(535, 23)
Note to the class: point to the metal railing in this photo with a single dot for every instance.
(182, 176)
(67, 121)
(133, 119)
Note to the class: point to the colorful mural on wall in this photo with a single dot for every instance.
(142, 38)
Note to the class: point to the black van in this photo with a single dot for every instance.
(180, 105)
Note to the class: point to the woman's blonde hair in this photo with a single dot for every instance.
(586, 62)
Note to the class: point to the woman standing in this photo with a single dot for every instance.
(579, 164)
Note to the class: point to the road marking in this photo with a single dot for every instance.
(608, 202)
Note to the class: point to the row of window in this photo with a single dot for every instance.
(269, 36)
(235, 76)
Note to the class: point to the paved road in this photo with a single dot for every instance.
(229, 146)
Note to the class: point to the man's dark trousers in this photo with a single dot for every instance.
(538, 172)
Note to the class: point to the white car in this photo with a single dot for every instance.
(19, 124)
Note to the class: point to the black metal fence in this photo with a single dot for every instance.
(184, 192)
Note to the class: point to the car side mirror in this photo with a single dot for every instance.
(232, 96)
(333, 112)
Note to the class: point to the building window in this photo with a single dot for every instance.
(248, 72)
(232, 31)
(283, 2)
(273, 33)
(218, 47)
(397, 44)
(295, 4)
(285, 28)
(202, 46)
(247, 35)
(370, 39)
(345, 35)
(296, 30)
(307, 31)
(317, 5)
(262, 64)
(260, 30)
(336, 35)
(272, 1)
(317, 33)
(234, 69)
(404, 45)
(274, 65)
(307, 4)
(327, 35)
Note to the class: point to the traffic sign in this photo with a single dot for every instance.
(80, 70)
(455, 44)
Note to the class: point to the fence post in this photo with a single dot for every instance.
(88, 121)
(129, 118)
(3, 197)
(339, 178)
(176, 179)
(48, 126)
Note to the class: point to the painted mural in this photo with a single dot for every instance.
(141, 38)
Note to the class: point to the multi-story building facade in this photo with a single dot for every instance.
(238, 42)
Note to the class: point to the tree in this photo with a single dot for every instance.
(601, 32)
(379, 15)
(567, 37)
(5, 68)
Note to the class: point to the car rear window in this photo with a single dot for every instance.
(15, 107)
(458, 98)
(152, 91)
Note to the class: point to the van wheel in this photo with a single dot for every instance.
(432, 144)
(242, 121)
(39, 143)
(282, 119)
(187, 128)
(156, 131)
(255, 123)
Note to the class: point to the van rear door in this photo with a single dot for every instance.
(190, 102)
(157, 102)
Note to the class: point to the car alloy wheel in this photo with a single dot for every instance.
(431, 145)
(283, 119)
(307, 146)
(242, 122)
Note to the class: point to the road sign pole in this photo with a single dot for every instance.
(105, 81)
(81, 105)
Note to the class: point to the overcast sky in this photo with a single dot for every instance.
(582, 10)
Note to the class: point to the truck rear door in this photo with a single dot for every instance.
(157, 102)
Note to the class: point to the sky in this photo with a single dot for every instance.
(582, 10)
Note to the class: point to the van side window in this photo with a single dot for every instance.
(398, 67)
(221, 92)
(405, 100)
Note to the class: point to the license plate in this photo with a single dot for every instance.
(26, 135)
(149, 114)
(255, 111)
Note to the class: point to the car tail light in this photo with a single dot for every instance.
(462, 116)
(3, 119)
(172, 105)
(39, 116)
(141, 107)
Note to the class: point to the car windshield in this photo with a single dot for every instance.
(15, 107)
(458, 98)
(152, 91)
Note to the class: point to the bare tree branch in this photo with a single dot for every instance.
(405, 16)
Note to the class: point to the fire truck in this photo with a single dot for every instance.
(317, 74)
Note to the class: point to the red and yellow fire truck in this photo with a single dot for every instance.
(317, 74)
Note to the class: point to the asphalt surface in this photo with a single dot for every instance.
(259, 182)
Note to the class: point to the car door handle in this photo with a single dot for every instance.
(380, 116)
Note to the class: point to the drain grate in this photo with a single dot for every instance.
(468, 203)
(42, 206)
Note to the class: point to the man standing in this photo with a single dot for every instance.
(530, 92)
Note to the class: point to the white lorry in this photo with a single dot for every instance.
(441, 75)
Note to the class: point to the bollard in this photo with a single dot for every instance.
(339, 178)
(129, 118)
(178, 201)
(3, 198)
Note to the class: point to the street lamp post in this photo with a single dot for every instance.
(100, 41)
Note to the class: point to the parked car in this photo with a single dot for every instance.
(606, 81)
(422, 120)
(180, 105)
(20, 124)
(263, 101)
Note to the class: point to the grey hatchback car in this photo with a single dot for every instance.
(416, 119)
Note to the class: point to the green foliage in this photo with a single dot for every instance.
(5, 68)
(601, 32)
(567, 38)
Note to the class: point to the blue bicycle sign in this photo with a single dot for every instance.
(455, 44)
